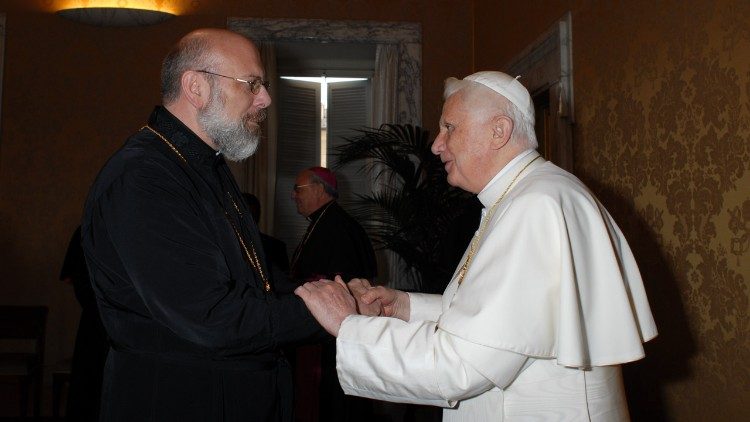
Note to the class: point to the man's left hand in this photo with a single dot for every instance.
(328, 301)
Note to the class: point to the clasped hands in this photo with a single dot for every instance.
(331, 302)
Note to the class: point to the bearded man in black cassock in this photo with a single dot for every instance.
(189, 303)
(334, 244)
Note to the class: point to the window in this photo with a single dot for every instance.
(315, 115)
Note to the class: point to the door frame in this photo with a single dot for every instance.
(546, 65)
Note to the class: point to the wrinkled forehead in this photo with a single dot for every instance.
(454, 105)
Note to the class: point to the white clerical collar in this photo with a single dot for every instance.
(503, 171)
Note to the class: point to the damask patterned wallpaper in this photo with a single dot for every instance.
(664, 138)
(662, 99)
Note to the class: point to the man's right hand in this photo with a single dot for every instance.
(393, 303)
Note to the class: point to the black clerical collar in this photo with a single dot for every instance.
(187, 142)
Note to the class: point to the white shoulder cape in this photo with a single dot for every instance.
(553, 276)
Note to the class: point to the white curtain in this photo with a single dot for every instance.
(264, 172)
(385, 104)
(257, 174)
(384, 84)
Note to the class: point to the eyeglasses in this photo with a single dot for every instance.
(297, 188)
(254, 83)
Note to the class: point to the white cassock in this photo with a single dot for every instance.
(551, 305)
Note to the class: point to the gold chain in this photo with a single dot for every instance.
(169, 144)
(250, 254)
(253, 259)
(485, 222)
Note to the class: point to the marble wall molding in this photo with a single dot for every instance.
(546, 67)
(406, 35)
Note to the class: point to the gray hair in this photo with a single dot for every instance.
(523, 134)
(330, 190)
(191, 53)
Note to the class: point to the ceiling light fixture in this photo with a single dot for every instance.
(119, 13)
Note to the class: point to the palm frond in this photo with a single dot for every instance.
(414, 206)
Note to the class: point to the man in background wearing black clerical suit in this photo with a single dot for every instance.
(176, 260)
(334, 244)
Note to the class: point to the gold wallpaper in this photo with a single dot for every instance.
(663, 138)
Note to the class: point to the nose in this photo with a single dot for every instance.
(438, 145)
(262, 98)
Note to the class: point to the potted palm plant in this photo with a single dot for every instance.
(412, 211)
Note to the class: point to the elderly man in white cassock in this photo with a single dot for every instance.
(544, 308)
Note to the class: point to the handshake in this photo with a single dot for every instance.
(330, 302)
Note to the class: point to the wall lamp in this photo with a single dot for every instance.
(119, 13)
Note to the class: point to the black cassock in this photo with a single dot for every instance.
(334, 244)
(91, 346)
(194, 334)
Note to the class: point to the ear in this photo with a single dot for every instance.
(502, 129)
(320, 191)
(195, 88)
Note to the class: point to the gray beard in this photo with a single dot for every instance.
(233, 139)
